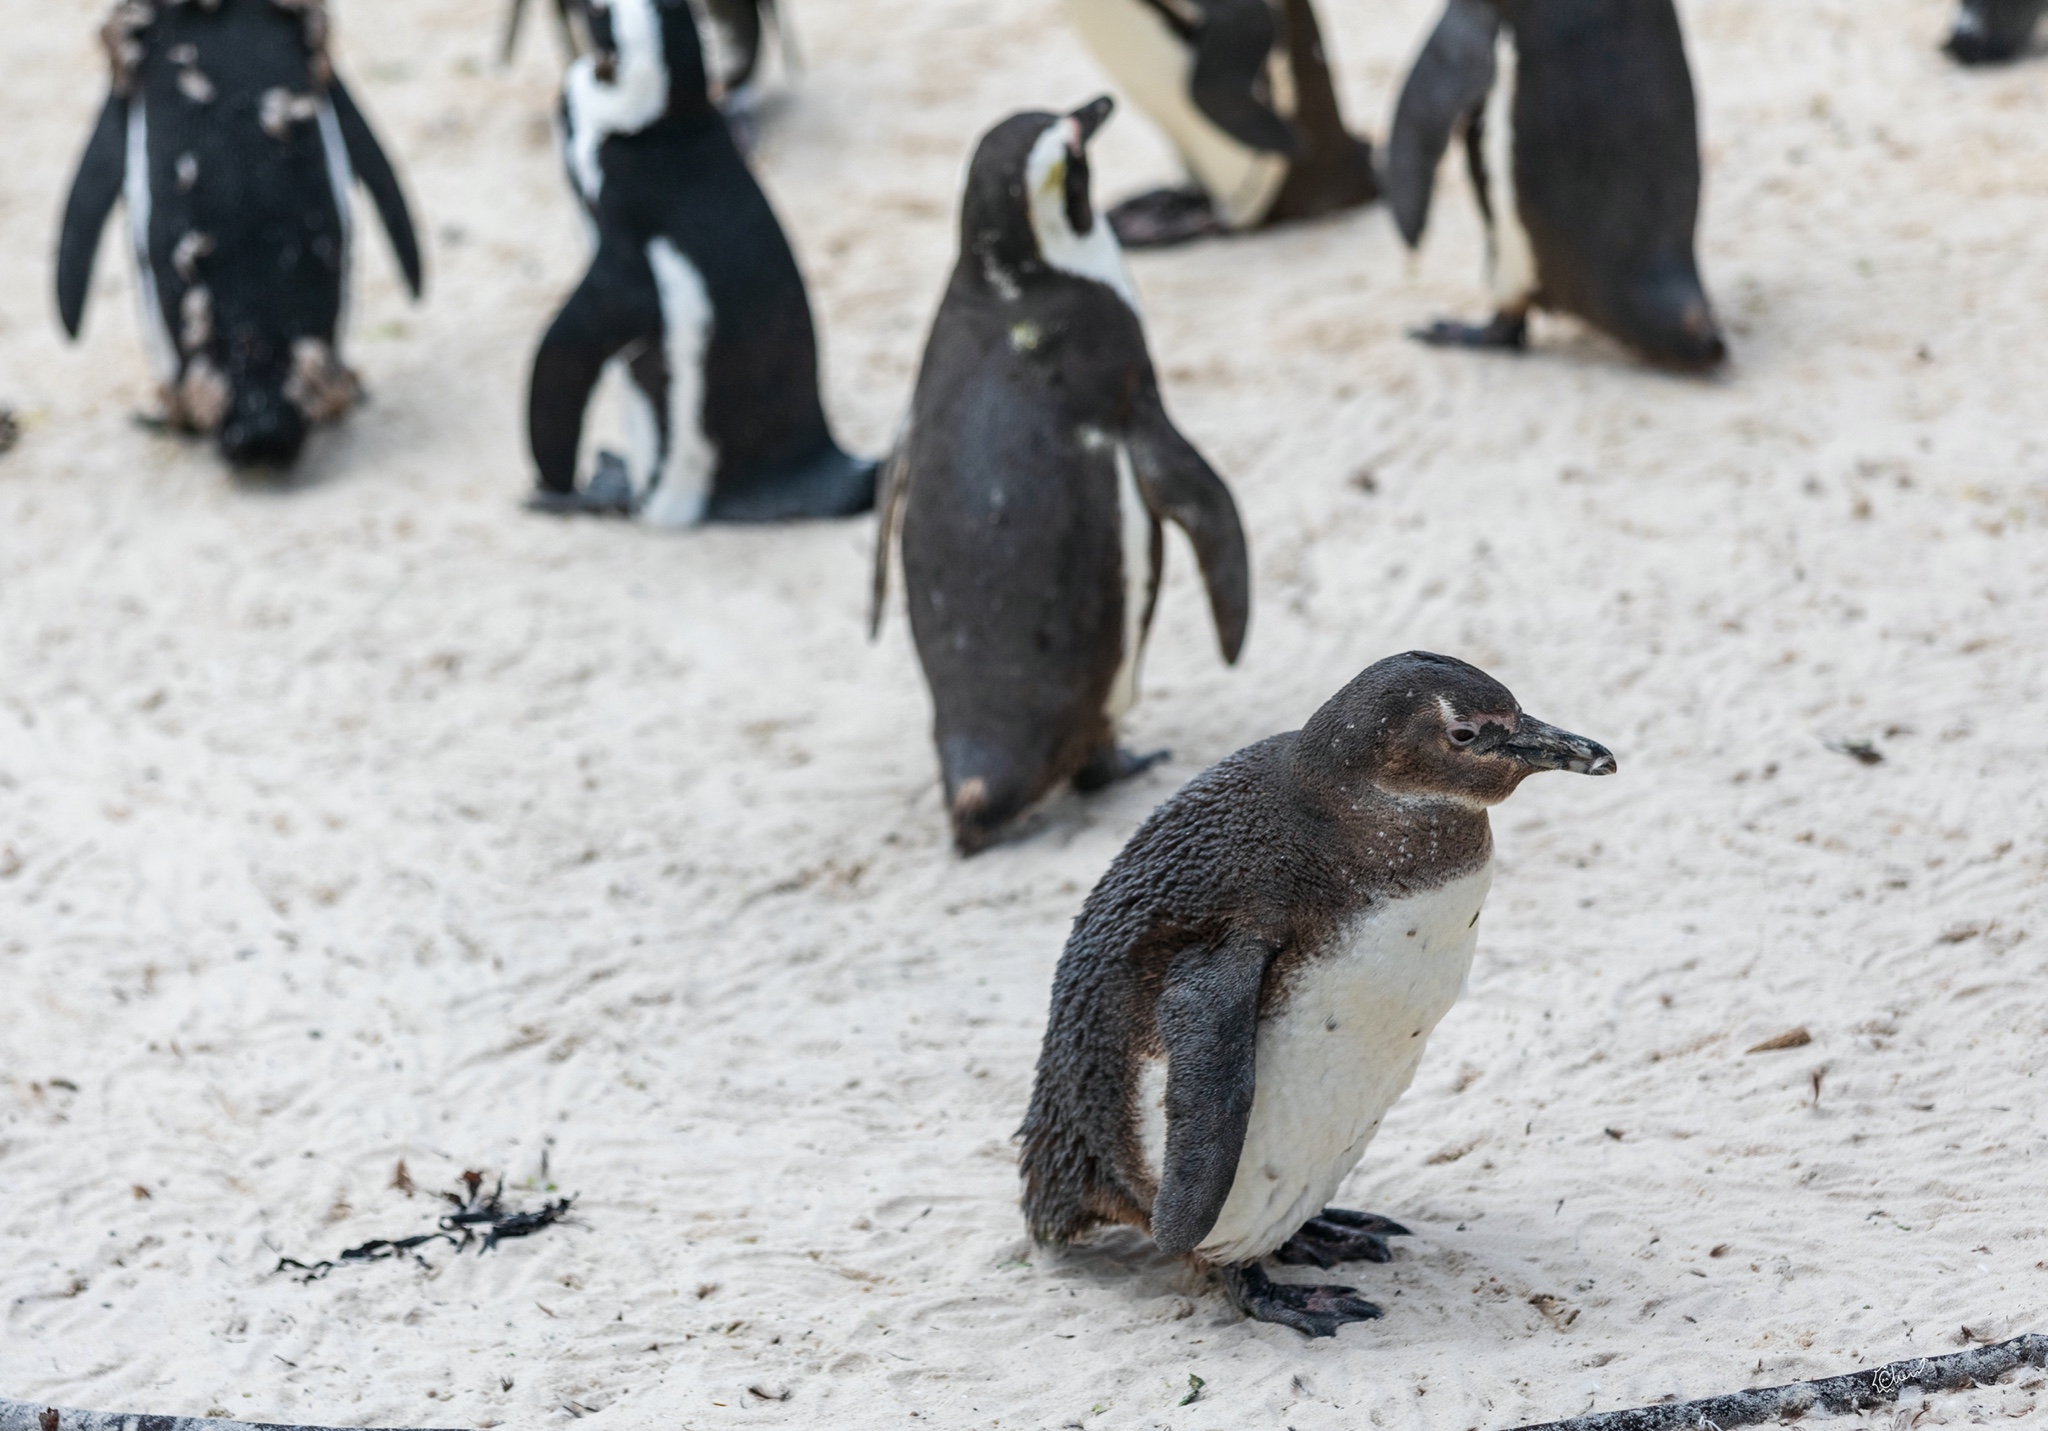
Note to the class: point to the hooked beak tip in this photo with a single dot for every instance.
(1092, 116)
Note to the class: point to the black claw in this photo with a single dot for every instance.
(1337, 1234)
(1313, 1311)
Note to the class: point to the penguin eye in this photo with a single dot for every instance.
(1464, 733)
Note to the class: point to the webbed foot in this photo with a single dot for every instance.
(831, 484)
(1509, 331)
(608, 493)
(1337, 1234)
(1314, 1311)
(1165, 217)
(1111, 764)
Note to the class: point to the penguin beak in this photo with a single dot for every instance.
(1544, 747)
(1087, 119)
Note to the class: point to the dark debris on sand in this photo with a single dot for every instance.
(479, 1219)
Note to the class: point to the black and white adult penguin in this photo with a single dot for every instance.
(1584, 151)
(693, 290)
(1242, 89)
(233, 145)
(1030, 482)
(1249, 988)
(1993, 31)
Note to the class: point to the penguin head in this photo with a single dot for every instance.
(1426, 726)
(641, 43)
(1028, 205)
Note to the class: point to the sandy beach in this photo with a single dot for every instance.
(374, 819)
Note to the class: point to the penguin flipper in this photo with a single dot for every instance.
(1208, 1018)
(1180, 485)
(100, 174)
(1230, 55)
(1451, 79)
(614, 306)
(893, 484)
(366, 157)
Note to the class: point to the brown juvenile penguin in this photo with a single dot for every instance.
(1250, 987)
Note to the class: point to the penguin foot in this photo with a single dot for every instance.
(830, 485)
(1165, 217)
(1314, 1311)
(1337, 1234)
(1504, 330)
(608, 493)
(1111, 764)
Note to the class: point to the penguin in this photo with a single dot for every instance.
(1242, 89)
(1250, 987)
(692, 290)
(233, 145)
(1993, 31)
(1584, 152)
(1029, 485)
(735, 30)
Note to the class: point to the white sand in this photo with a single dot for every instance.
(378, 820)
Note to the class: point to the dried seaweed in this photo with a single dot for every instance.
(480, 1220)
(1857, 1391)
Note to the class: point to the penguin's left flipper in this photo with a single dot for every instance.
(1313, 1311)
(1231, 50)
(1208, 1018)
(1179, 485)
(366, 157)
(1504, 331)
(1450, 80)
(1337, 1234)
(100, 175)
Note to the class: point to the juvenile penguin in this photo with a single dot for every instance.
(1993, 31)
(693, 290)
(234, 146)
(1242, 89)
(1583, 146)
(1250, 987)
(1030, 482)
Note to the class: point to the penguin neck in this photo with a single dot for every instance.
(1441, 833)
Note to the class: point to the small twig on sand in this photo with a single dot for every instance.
(1857, 1391)
(33, 1416)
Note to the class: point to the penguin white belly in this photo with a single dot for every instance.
(1152, 65)
(682, 483)
(1511, 259)
(1135, 524)
(1334, 1058)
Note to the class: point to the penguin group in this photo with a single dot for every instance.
(1251, 985)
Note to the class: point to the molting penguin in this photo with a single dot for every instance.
(1242, 89)
(233, 145)
(1584, 151)
(693, 289)
(1249, 988)
(1030, 482)
(1993, 31)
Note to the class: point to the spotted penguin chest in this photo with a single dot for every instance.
(1335, 1054)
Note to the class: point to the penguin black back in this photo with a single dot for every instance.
(234, 145)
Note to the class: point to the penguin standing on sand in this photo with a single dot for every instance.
(1030, 483)
(1242, 89)
(1993, 31)
(693, 290)
(233, 145)
(1584, 151)
(1249, 988)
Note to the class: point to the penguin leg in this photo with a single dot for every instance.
(1113, 763)
(1164, 217)
(1314, 1311)
(614, 307)
(1337, 1234)
(1506, 330)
